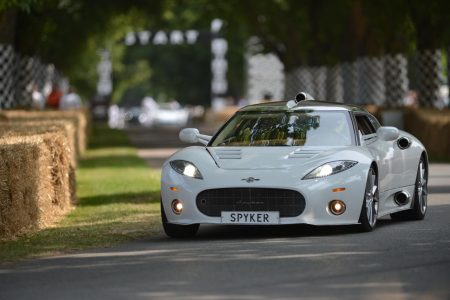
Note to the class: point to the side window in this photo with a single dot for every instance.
(374, 122)
(364, 125)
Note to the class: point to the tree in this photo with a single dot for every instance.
(301, 32)
(69, 33)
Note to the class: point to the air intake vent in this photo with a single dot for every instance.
(228, 153)
(303, 153)
(288, 202)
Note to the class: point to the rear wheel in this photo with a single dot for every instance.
(369, 210)
(420, 203)
(175, 230)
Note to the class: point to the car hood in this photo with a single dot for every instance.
(238, 158)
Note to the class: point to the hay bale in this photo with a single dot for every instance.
(87, 115)
(446, 146)
(26, 128)
(55, 137)
(373, 109)
(77, 117)
(34, 183)
(215, 119)
(225, 113)
(432, 129)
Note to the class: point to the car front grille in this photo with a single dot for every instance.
(288, 202)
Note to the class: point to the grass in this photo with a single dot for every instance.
(118, 201)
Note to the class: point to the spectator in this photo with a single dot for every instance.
(443, 100)
(70, 100)
(410, 99)
(54, 97)
(37, 99)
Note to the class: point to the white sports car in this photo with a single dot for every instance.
(296, 162)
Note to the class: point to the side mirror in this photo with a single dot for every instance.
(192, 135)
(189, 135)
(387, 133)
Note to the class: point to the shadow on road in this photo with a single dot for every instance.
(254, 232)
(231, 232)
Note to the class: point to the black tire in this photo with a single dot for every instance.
(369, 211)
(175, 230)
(419, 205)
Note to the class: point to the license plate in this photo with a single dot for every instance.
(250, 217)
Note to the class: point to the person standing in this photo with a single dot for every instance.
(37, 99)
(54, 97)
(70, 101)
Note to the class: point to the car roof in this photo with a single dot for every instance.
(305, 104)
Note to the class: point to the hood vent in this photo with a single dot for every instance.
(299, 153)
(228, 153)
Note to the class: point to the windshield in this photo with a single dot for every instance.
(297, 128)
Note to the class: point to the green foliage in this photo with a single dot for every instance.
(24, 5)
(317, 32)
(69, 33)
(312, 32)
(177, 72)
(131, 77)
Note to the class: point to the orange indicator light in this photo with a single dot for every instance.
(337, 190)
(172, 188)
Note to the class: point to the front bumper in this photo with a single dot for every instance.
(317, 193)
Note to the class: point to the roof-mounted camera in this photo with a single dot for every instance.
(303, 96)
(300, 97)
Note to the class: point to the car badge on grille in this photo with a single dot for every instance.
(250, 179)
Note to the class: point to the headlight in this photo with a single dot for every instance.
(186, 168)
(330, 169)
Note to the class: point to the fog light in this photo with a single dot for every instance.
(177, 206)
(337, 207)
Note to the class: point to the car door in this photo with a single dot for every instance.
(388, 157)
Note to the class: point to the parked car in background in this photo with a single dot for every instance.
(163, 114)
(132, 114)
(168, 114)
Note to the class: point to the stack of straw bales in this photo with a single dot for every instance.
(215, 119)
(432, 128)
(34, 183)
(38, 157)
(27, 128)
(78, 118)
(58, 138)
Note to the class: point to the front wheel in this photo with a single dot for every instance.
(369, 210)
(419, 206)
(175, 230)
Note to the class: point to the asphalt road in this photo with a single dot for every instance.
(399, 260)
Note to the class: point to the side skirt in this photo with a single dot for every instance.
(387, 203)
